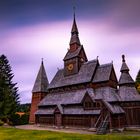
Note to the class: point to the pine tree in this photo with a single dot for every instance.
(9, 98)
(138, 81)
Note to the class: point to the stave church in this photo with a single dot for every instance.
(85, 94)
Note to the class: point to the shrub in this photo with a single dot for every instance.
(1, 123)
(10, 123)
(17, 120)
(24, 119)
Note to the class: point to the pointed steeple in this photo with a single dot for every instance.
(74, 33)
(41, 82)
(127, 90)
(125, 77)
(74, 26)
(124, 65)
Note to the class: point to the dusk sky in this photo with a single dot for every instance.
(35, 29)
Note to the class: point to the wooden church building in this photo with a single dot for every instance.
(85, 93)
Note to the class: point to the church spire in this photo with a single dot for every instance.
(74, 33)
(74, 29)
(125, 77)
(124, 65)
(41, 82)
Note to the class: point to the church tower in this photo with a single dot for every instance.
(127, 90)
(75, 56)
(39, 91)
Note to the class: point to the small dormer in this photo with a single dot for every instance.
(88, 103)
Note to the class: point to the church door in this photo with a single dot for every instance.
(58, 119)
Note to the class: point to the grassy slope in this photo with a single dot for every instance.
(17, 134)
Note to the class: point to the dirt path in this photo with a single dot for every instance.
(66, 130)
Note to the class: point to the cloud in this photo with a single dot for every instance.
(26, 46)
(34, 30)
(122, 14)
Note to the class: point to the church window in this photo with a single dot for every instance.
(88, 105)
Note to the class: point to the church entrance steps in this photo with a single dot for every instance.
(103, 127)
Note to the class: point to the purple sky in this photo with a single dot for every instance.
(35, 29)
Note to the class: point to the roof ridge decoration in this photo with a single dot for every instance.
(41, 82)
(107, 64)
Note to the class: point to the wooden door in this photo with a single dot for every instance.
(58, 120)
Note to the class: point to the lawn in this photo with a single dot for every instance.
(17, 134)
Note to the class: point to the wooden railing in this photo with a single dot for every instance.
(98, 121)
(102, 129)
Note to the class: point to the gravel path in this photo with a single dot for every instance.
(66, 130)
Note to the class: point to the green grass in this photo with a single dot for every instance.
(17, 134)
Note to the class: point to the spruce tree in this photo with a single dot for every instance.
(138, 81)
(9, 97)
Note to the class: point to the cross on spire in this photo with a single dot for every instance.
(123, 58)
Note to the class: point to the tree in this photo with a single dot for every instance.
(138, 81)
(9, 98)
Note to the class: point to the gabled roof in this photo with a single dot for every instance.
(60, 108)
(69, 97)
(115, 109)
(41, 82)
(84, 75)
(103, 73)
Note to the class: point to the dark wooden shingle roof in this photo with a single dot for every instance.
(76, 110)
(83, 76)
(125, 78)
(80, 111)
(41, 82)
(106, 93)
(128, 93)
(47, 111)
(115, 109)
(103, 73)
(69, 97)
